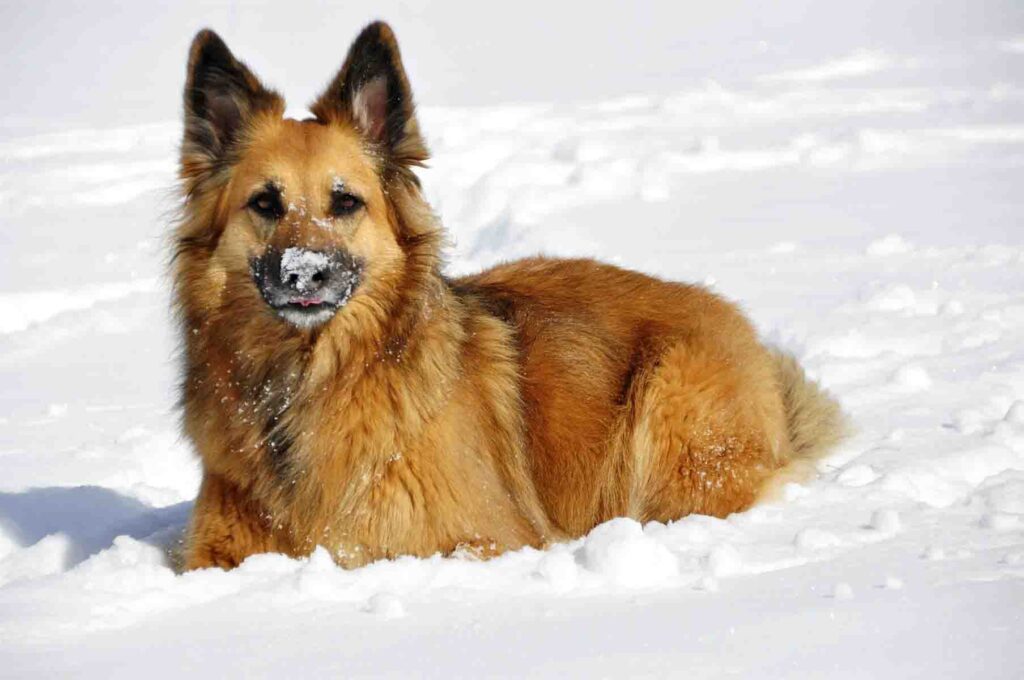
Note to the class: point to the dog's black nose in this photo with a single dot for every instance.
(304, 272)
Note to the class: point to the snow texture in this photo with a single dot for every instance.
(850, 174)
(302, 264)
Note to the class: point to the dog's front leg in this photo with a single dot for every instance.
(227, 526)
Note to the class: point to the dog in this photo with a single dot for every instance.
(341, 391)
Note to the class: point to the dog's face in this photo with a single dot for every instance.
(298, 211)
(308, 210)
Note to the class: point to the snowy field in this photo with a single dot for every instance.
(853, 177)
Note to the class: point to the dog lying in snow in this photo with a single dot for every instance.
(342, 392)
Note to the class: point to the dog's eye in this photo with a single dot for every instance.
(267, 204)
(344, 203)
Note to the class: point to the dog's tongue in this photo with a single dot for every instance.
(306, 302)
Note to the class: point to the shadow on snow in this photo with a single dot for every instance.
(90, 516)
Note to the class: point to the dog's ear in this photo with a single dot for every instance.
(221, 97)
(372, 92)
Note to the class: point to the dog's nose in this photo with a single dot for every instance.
(305, 271)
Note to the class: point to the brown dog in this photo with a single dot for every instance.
(341, 391)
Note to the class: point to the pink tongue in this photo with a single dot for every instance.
(307, 302)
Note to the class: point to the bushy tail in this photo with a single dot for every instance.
(814, 419)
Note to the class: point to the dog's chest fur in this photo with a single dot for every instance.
(382, 453)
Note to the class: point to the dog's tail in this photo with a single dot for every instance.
(813, 418)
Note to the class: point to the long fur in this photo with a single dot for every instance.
(518, 406)
(815, 421)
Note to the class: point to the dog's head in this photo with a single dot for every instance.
(296, 221)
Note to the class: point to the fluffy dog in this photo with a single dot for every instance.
(341, 391)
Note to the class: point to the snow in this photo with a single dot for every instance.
(860, 63)
(851, 176)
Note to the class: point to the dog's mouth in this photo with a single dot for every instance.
(305, 302)
(304, 287)
(306, 313)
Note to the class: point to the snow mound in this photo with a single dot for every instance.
(621, 552)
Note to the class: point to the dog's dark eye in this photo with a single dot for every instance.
(267, 204)
(344, 203)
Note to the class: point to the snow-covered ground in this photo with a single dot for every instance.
(860, 193)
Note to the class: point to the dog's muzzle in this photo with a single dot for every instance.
(306, 287)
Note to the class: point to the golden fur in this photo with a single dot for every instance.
(515, 407)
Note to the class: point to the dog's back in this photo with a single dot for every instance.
(647, 398)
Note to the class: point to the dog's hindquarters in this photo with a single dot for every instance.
(656, 409)
(711, 431)
(716, 432)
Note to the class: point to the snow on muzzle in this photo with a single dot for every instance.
(306, 287)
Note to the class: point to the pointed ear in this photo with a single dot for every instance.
(221, 96)
(372, 92)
